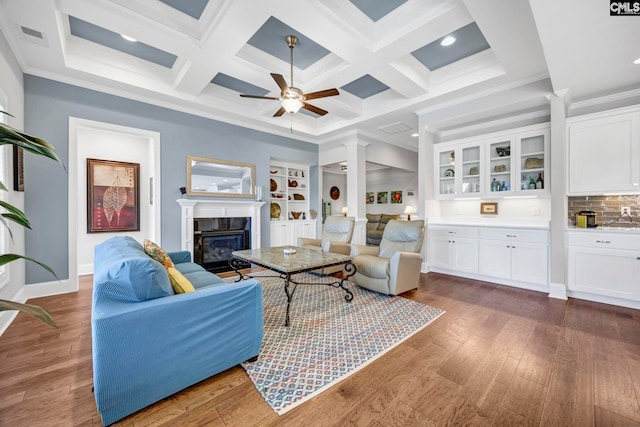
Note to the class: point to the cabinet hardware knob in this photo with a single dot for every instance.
(511, 235)
(451, 232)
(603, 241)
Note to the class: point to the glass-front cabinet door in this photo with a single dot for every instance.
(500, 166)
(446, 173)
(471, 171)
(533, 162)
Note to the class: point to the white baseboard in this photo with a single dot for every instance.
(558, 290)
(85, 269)
(35, 290)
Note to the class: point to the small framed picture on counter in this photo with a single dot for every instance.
(489, 208)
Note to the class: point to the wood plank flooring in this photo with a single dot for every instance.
(499, 356)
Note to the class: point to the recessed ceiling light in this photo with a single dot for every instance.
(448, 41)
(637, 61)
(129, 39)
(415, 135)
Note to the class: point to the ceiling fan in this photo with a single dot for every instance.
(292, 98)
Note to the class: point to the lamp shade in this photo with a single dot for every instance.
(409, 210)
(344, 211)
(291, 105)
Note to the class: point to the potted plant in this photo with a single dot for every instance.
(31, 144)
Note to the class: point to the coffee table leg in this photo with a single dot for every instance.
(289, 292)
(351, 270)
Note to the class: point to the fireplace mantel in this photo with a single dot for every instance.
(201, 208)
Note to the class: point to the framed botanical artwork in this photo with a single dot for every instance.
(382, 197)
(489, 208)
(371, 198)
(113, 196)
(396, 196)
(18, 168)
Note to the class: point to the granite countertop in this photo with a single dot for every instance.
(538, 223)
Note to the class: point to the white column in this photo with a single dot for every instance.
(356, 187)
(427, 205)
(558, 262)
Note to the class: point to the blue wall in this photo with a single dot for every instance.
(48, 106)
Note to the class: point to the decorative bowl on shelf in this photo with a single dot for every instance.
(449, 173)
(293, 183)
(533, 163)
(473, 170)
(296, 215)
(274, 172)
(500, 168)
(273, 185)
(298, 197)
(503, 151)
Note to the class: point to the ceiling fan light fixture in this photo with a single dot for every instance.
(448, 41)
(291, 105)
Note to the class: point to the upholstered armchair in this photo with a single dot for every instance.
(394, 266)
(336, 236)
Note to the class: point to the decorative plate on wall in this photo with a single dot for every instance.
(273, 185)
(334, 192)
(275, 211)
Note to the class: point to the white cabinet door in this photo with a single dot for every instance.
(607, 272)
(282, 234)
(465, 254)
(305, 229)
(604, 154)
(440, 254)
(495, 258)
(529, 262)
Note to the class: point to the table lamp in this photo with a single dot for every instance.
(409, 210)
(344, 211)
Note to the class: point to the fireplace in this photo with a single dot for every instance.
(215, 239)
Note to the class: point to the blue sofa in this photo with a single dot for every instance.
(148, 342)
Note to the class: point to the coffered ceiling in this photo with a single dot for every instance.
(384, 57)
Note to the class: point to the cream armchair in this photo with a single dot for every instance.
(394, 266)
(336, 236)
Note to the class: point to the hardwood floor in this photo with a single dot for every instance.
(499, 356)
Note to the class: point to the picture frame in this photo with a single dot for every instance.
(382, 197)
(489, 208)
(113, 196)
(18, 168)
(370, 197)
(396, 197)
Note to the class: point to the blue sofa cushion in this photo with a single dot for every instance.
(138, 277)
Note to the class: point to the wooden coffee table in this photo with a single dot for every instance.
(288, 265)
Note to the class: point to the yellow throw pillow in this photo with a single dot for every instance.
(157, 253)
(180, 283)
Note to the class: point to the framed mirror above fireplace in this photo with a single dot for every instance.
(220, 178)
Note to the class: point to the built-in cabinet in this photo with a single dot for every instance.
(512, 256)
(604, 265)
(515, 254)
(501, 164)
(454, 248)
(603, 152)
(289, 203)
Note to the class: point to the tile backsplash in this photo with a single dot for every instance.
(607, 209)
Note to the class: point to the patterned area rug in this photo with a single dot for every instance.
(329, 338)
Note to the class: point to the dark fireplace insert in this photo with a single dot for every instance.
(214, 239)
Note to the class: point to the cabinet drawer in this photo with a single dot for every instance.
(514, 234)
(605, 240)
(440, 231)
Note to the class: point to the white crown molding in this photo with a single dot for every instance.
(488, 124)
(615, 97)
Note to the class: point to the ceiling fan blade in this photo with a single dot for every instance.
(280, 112)
(280, 81)
(322, 94)
(314, 109)
(259, 97)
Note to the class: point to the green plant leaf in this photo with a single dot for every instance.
(15, 214)
(4, 222)
(32, 144)
(7, 258)
(35, 311)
